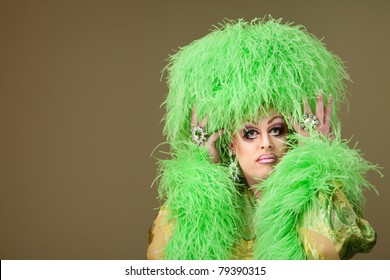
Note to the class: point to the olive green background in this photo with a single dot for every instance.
(80, 96)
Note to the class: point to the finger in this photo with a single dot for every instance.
(214, 137)
(194, 120)
(215, 157)
(307, 107)
(328, 111)
(295, 125)
(320, 107)
(203, 122)
(298, 129)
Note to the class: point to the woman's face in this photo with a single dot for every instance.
(260, 145)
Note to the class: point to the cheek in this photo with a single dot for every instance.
(281, 145)
(246, 149)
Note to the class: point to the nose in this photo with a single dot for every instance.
(266, 142)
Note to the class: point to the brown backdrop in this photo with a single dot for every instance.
(80, 92)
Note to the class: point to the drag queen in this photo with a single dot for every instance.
(257, 167)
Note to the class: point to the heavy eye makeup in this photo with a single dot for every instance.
(251, 132)
(278, 130)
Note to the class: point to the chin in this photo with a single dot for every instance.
(261, 176)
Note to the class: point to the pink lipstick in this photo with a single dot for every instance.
(267, 159)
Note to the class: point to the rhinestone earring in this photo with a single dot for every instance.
(233, 167)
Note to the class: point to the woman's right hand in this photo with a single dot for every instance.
(211, 141)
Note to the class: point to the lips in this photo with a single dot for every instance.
(267, 159)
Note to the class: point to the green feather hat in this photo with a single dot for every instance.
(243, 67)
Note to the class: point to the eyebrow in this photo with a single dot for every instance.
(249, 126)
(254, 124)
(275, 118)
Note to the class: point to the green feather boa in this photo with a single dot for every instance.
(204, 203)
(316, 165)
(207, 206)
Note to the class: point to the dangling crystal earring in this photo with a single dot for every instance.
(233, 167)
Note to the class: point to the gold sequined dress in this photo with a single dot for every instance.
(332, 229)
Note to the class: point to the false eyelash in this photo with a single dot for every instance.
(246, 133)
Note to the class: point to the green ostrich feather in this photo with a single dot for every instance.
(229, 76)
(205, 205)
(243, 67)
(318, 164)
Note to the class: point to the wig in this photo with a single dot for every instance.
(231, 75)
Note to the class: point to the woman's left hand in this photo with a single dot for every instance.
(323, 114)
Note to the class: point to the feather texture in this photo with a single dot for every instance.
(316, 165)
(243, 67)
(205, 205)
(231, 74)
